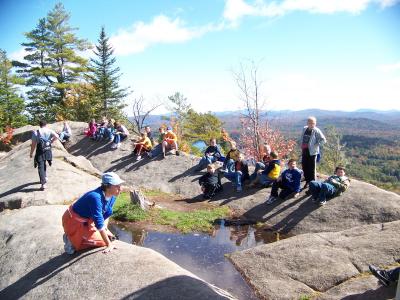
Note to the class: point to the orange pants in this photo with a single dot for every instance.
(81, 232)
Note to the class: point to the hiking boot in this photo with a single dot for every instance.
(69, 249)
(380, 274)
(271, 200)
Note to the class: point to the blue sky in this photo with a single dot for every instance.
(327, 54)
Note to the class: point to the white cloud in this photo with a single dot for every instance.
(161, 30)
(18, 55)
(389, 68)
(236, 9)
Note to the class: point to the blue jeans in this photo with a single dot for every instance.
(157, 150)
(64, 136)
(206, 160)
(118, 138)
(265, 180)
(229, 164)
(235, 177)
(322, 190)
(259, 166)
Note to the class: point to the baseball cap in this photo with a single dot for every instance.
(111, 178)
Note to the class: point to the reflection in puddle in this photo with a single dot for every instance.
(203, 254)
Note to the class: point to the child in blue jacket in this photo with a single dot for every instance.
(289, 182)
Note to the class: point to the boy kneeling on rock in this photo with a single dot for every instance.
(334, 186)
(210, 182)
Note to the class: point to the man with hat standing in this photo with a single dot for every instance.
(85, 221)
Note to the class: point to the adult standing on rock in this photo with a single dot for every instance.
(85, 221)
(311, 140)
(41, 141)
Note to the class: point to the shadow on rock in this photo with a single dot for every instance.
(41, 274)
(178, 287)
(21, 189)
(382, 293)
(88, 147)
(268, 213)
(188, 172)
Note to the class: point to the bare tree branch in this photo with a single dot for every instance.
(141, 113)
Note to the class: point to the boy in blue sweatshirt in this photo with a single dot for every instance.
(289, 182)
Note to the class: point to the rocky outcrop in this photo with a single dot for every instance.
(33, 265)
(325, 264)
(68, 178)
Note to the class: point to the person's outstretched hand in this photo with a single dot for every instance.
(110, 248)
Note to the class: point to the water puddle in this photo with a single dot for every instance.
(203, 254)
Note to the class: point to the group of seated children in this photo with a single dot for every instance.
(266, 173)
(167, 141)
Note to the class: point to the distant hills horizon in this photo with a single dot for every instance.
(295, 116)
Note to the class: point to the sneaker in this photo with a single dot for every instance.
(69, 249)
(138, 157)
(118, 145)
(322, 202)
(380, 274)
(239, 189)
(114, 146)
(271, 200)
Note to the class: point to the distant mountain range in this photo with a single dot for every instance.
(288, 120)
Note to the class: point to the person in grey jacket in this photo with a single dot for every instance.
(311, 140)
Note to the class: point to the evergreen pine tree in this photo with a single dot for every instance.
(53, 65)
(11, 105)
(105, 79)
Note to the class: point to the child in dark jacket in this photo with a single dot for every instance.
(289, 182)
(211, 155)
(210, 182)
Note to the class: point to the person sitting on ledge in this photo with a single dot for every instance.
(261, 165)
(85, 221)
(120, 134)
(334, 186)
(289, 182)
(240, 175)
(386, 277)
(66, 132)
(143, 144)
(231, 158)
(211, 155)
(270, 174)
(210, 182)
(170, 141)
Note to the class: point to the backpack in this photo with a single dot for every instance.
(43, 145)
